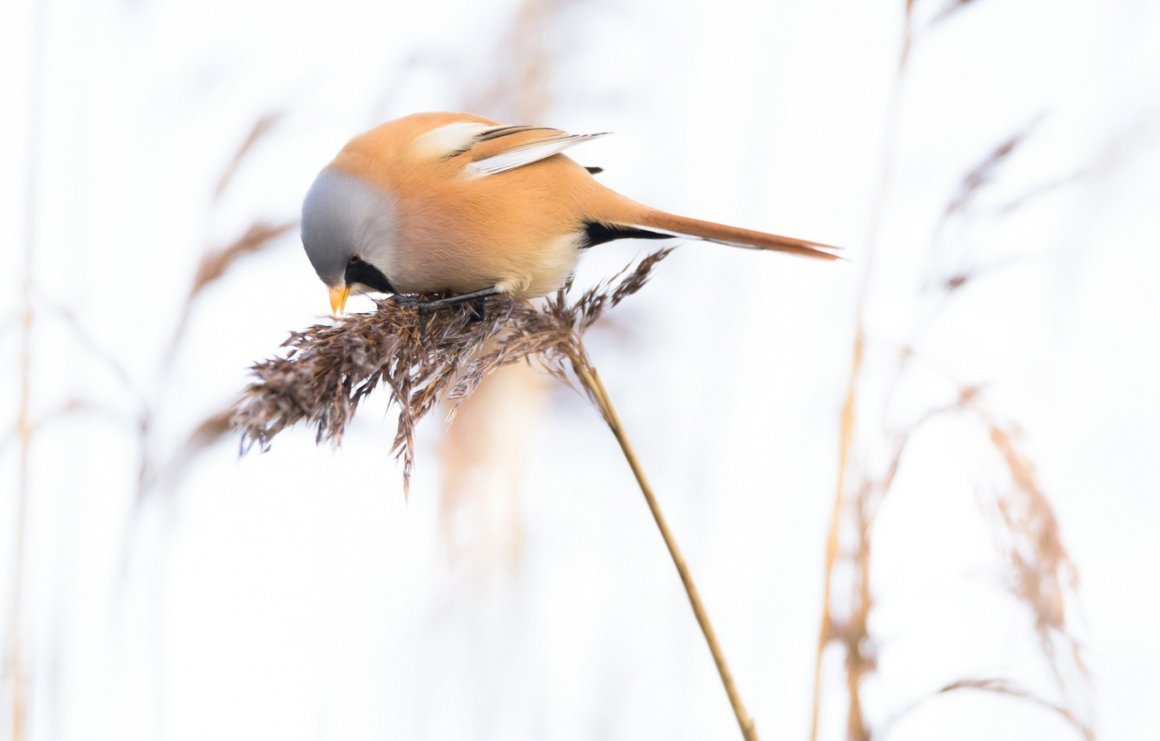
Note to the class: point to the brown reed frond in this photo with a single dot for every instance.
(1040, 579)
(423, 358)
(984, 172)
(1010, 689)
(257, 132)
(1043, 188)
(949, 8)
(90, 344)
(995, 686)
(215, 263)
(201, 437)
(211, 429)
(1041, 572)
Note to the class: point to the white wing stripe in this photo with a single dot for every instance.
(453, 138)
(527, 154)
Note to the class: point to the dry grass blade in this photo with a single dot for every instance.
(7, 324)
(207, 432)
(260, 128)
(851, 627)
(329, 369)
(91, 345)
(984, 172)
(1004, 687)
(68, 409)
(949, 9)
(215, 264)
(7, 437)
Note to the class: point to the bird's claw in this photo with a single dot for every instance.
(411, 302)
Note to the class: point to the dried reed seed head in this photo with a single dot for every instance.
(423, 358)
(1041, 572)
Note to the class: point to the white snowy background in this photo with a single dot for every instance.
(298, 595)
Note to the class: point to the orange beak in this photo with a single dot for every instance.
(338, 296)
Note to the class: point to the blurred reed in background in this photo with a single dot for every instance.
(1040, 573)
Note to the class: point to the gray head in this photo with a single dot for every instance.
(348, 230)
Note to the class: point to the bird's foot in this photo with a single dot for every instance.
(477, 299)
(409, 301)
(478, 309)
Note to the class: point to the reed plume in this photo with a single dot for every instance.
(425, 358)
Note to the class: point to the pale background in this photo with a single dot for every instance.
(298, 595)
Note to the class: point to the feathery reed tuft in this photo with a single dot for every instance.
(423, 358)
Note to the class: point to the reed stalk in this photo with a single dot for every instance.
(590, 380)
(15, 664)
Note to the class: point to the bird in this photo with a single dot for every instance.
(464, 206)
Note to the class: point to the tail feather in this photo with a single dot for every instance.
(682, 226)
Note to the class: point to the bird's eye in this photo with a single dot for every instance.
(355, 259)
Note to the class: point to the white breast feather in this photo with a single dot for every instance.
(554, 264)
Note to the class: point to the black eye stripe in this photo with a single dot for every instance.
(359, 271)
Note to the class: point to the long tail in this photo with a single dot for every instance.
(661, 223)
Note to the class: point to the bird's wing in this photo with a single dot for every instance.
(490, 150)
(524, 149)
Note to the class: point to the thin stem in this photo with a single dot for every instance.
(826, 626)
(826, 632)
(25, 426)
(591, 381)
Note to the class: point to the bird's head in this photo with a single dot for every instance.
(348, 229)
